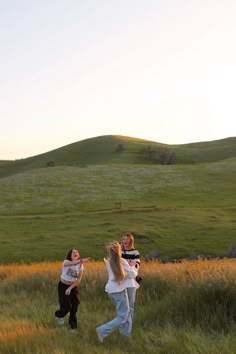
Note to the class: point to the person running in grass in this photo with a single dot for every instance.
(120, 277)
(132, 256)
(68, 292)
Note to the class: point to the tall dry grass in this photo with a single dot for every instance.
(181, 308)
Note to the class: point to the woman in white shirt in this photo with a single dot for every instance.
(68, 293)
(120, 277)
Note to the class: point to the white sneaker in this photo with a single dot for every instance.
(100, 337)
(59, 321)
(73, 331)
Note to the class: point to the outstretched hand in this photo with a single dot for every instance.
(86, 260)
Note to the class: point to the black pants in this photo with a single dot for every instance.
(68, 303)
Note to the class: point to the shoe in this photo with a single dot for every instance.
(59, 321)
(100, 337)
(73, 331)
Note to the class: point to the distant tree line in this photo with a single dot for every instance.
(161, 155)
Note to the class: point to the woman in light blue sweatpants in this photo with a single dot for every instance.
(120, 277)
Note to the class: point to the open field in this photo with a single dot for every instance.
(176, 210)
(183, 308)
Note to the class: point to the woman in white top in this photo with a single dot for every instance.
(68, 293)
(120, 276)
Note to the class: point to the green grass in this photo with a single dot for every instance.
(186, 308)
(174, 233)
(4, 162)
(182, 308)
(176, 210)
(207, 151)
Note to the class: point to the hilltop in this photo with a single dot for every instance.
(116, 149)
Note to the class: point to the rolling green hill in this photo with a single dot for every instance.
(176, 199)
(4, 162)
(124, 150)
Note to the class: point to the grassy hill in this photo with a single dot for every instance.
(208, 151)
(124, 150)
(176, 210)
(4, 162)
(98, 189)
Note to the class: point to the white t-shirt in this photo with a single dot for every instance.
(70, 273)
(113, 286)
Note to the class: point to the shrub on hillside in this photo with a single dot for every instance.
(161, 155)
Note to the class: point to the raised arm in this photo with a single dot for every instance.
(68, 263)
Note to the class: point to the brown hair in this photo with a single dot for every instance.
(69, 254)
(114, 251)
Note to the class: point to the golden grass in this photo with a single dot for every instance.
(10, 330)
(122, 137)
(190, 272)
(186, 271)
(11, 272)
(166, 301)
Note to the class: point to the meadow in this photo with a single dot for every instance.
(181, 308)
(175, 210)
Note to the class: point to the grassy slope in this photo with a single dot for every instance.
(4, 162)
(102, 150)
(208, 151)
(173, 209)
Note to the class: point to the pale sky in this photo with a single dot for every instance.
(162, 70)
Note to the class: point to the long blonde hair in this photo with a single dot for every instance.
(114, 251)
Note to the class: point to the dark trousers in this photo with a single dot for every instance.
(68, 303)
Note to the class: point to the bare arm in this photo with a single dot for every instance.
(68, 263)
(75, 283)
